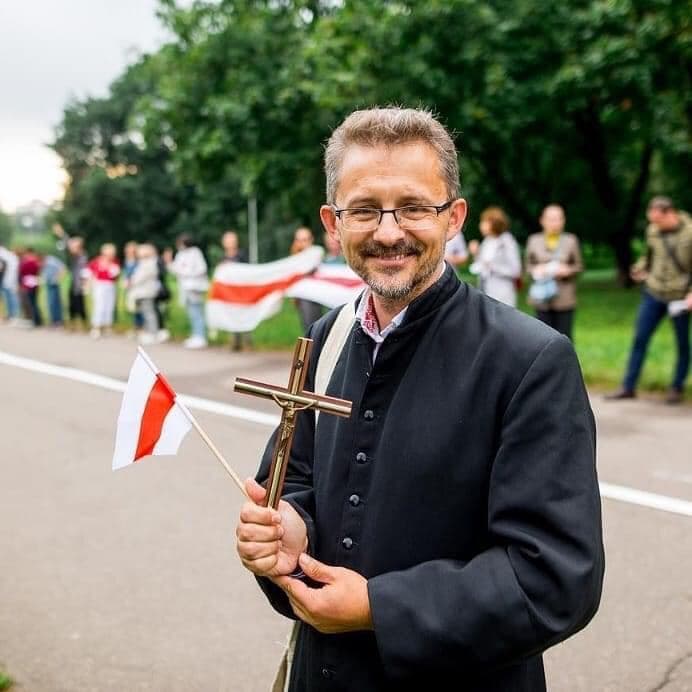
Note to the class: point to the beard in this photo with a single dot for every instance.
(386, 283)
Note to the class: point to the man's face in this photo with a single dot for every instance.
(665, 219)
(302, 239)
(398, 265)
(230, 243)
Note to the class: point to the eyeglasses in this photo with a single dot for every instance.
(412, 217)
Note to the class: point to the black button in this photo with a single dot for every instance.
(354, 500)
(361, 457)
(347, 543)
(369, 415)
(326, 673)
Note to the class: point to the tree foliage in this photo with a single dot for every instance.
(586, 103)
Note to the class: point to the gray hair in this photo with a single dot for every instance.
(661, 202)
(390, 126)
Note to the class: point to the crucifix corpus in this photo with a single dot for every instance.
(292, 400)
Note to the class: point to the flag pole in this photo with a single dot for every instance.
(212, 446)
(197, 427)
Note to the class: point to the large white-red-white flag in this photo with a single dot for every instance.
(243, 295)
(152, 420)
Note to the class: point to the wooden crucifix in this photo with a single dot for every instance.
(292, 400)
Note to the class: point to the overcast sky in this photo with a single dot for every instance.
(51, 50)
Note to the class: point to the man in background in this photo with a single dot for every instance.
(308, 310)
(665, 269)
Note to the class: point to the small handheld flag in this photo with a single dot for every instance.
(153, 421)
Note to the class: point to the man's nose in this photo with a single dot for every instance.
(388, 232)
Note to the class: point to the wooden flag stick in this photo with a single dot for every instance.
(212, 446)
(195, 424)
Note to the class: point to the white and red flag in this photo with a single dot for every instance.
(152, 421)
(243, 295)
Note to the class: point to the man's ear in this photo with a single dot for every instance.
(457, 216)
(328, 218)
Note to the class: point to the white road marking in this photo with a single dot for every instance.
(639, 497)
(620, 493)
(114, 385)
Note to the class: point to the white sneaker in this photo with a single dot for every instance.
(162, 335)
(195, 342)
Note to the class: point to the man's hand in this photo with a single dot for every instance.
(341, 605)
(269, 541)
(638, 275)
(688, 300)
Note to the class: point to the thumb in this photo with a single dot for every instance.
(254, 490)
(315, 569)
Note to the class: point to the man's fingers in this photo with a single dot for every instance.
(258, 533)
(251, 513)
(261, 567)
(250, 551)
(254, 490)
(315, 569)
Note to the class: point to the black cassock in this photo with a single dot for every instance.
(463, 487)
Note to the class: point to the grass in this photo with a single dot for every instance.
(603, 331)
(5, 682)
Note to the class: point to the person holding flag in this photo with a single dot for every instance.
(451, 527)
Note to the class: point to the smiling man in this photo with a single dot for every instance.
(451, 527)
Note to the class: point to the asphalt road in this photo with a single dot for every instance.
(130, 581)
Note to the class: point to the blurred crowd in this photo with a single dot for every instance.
(551, 262)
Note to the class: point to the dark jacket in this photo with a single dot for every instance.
(463, 487)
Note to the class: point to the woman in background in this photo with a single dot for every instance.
(497, 259)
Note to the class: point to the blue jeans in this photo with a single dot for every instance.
(651, 312)
(54, 303)
(11, 302)
(194, 304)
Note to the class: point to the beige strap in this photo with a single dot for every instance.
(333, 345)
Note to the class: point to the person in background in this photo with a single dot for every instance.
(9, 284)
(665, 270)
(52, 272)
(333, 254)
(129, 265)
(497, 259)
(76, 260)
(233, 253)
(456, 251)
(308, 310)
(190, 269)
(162, 298)
(29, 270)
(103, 272)
(143, 287)
(553, 260)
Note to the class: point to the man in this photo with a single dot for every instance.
(665, 269)
(456, 251)
(308, 310)
(451, 526)
(190, 269)
(233, 253)
(77, 261)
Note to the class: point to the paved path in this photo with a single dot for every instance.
(130, 580)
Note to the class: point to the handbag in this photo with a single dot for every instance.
(543, 290)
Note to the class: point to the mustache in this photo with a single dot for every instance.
(372, 248)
